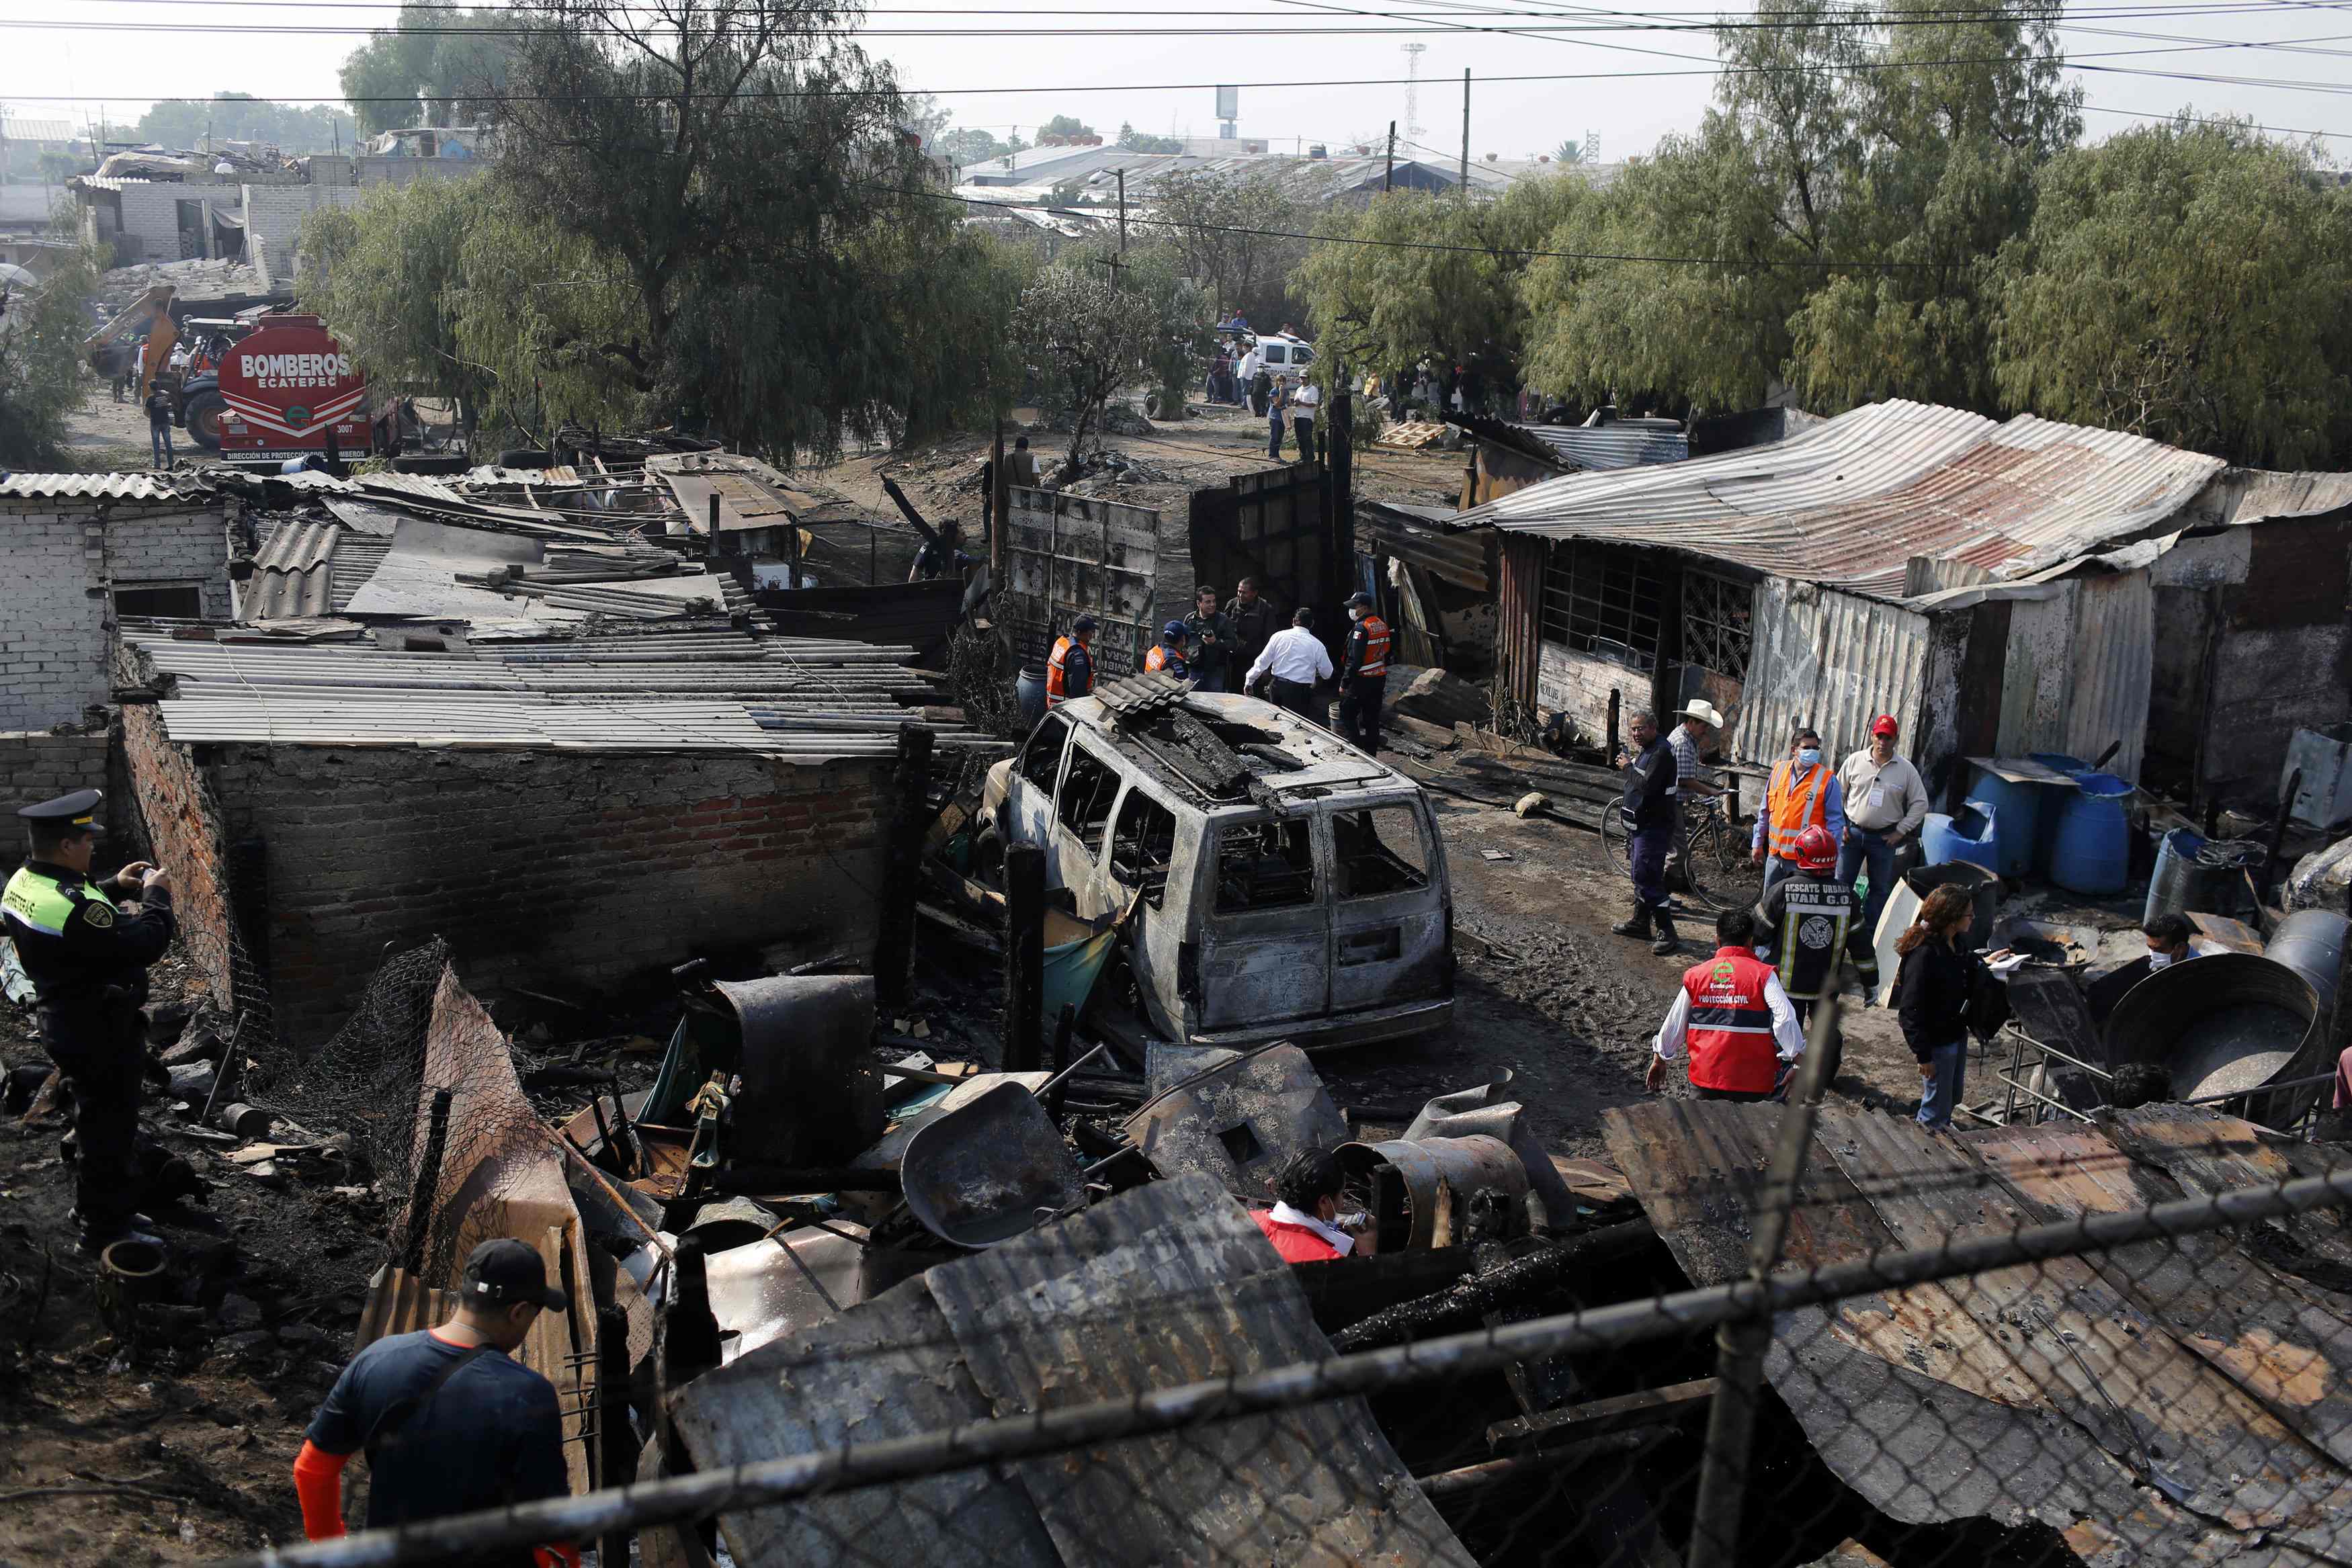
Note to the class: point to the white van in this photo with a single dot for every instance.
(1283, 355)
(1286, 886)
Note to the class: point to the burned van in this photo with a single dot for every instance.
(1284, 886)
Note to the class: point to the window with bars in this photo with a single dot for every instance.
(1719, 623)
(1604, 599)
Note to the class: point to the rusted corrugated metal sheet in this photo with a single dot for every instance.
(2113, 665)
(1832, 660)
(400, 1302)
(2040, 1392)
(1428, 537)
(1518, 623)
(1851, 501)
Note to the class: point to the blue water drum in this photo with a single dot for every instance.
(2019, 807)
(2045, 831)
(1968, 834)
(2092, 850)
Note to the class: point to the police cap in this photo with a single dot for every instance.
(1361, 598)
(77, 813)
(1083, 623)
(1173, 631)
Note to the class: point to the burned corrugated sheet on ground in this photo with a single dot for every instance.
(1162, 1285)
(2121, 1399)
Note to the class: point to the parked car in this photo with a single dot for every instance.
(1285, 884)
(1284, 356)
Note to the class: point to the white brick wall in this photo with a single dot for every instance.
(59, 560)
(273, 223)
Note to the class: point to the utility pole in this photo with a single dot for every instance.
(1122, 214)
(1388, 179)
(1465, 133)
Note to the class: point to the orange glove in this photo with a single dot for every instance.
(319, 1483)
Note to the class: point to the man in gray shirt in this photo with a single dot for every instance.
(1886, 801)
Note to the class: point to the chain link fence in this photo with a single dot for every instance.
(1832, 1337)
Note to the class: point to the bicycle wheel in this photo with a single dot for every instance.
(1722, 876)
(1615, 841)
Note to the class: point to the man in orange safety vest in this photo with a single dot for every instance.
(1363, 675)
(1070, 672)
(1804, 793)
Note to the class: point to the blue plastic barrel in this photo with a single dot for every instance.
(1029, 691)
(1968, 834)
(2092, 850)
(2019, 807)
(2045, 831)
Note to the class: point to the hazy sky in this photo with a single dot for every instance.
(1612, 79)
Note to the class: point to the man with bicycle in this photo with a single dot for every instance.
(1653, 824)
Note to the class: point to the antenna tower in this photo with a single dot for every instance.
(1413, 53)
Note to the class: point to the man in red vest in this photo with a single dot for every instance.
(1304, 1225)
(1734, 1019)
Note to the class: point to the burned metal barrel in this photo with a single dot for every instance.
(2310, 943)
(1421, 1191)
(811, 1095)
(2225, 1023)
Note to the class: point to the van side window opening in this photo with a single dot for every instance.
(1142, 844)
(1379, 851)
(1264, 865)
(1041, 760)
(1086, 797)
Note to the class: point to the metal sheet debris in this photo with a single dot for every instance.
(1240, 1122)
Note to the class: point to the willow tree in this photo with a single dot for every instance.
(41, 382)
(741, 166)
(2191, 283)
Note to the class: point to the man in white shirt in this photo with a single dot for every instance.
(1733, 1020)
(1247, 377)
(1294, 660)
(1885, 801)
(1304, 403)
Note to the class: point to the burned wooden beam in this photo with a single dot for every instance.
(906, 509)
(1500, 1287)
(1646, 1408)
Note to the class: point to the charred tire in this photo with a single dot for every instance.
(202, 416)
(524, 457)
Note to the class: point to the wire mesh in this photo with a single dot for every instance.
(2124, 1343)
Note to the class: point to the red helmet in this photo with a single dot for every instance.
(1816, 851)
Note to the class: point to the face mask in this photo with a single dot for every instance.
(1811, 757)
(2159, 960)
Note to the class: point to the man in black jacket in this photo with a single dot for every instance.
(1650, 823)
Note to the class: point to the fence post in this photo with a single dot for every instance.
(894, 953)
(428, 1186)
(1024, 955)
(1741, 1342)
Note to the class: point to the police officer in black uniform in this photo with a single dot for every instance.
(87, 962)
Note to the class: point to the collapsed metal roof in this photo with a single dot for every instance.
(1849, 502)
(133, 486)
(1162, 1286)
(1619, 443)
(665, 691)
(2040, 1390)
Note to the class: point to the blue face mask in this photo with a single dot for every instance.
(1811, 757)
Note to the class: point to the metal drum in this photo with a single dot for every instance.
(2225, 1023)
(1437, 1176)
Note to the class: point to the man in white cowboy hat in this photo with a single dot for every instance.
(1699, 721)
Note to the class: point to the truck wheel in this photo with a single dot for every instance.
(202, 417)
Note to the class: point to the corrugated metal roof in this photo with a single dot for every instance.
(723, 691)
(133, 486)
(293, 572)
(2040, 1390)
(1607, 446)
(1850, 501)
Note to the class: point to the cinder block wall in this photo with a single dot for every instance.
(40, 766)
(273, 223)
(543, 869)
(58, 559)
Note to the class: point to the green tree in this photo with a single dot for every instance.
(454, 61)
(968, 145)
(2191, 283)
(240, 117)
(1086, 330)
(1135, 141)
(388, 278)
(1234, 232)
(1569, 152)
(41, 333)
(1066, 127)
(738, 161)
(1413, 275)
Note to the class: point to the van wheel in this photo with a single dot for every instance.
(987, 851)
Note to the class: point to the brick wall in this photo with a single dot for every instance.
(554, 871)
(58, 559)
(40, 766)
(273, 223)
(182, 826)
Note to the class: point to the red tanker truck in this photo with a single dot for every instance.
(276, 390)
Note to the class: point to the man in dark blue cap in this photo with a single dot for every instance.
(450, 1423)
(87, 960)
(1168, 655)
